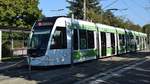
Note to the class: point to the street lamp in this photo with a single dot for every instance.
(57, 10)
(84, 10)
(115, 9)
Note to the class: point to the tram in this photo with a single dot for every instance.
(61, 40)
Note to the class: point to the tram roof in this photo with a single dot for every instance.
(77, 24)
(106, 28)
(86, 25)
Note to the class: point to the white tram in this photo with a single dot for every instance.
(61, 40)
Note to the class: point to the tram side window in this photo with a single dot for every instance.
(145, 40)
(83, 39)
(90, 35)
(137, 39)
(140, 40)
(121, 39)
(127, 40)
(103, 39)
(59, 39)
(75, 37)
(112, 39)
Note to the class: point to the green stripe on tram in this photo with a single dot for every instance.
(87, 53)
(109, 51)
(107, 30)
(84, 27)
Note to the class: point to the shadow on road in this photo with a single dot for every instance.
(139, 54)
(69, 74)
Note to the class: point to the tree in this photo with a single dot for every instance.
(19, 13)
(109, 18)
(92, 9)
(131, 26)
(146, 28)
(98, 15)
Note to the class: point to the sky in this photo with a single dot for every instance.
(138, 11)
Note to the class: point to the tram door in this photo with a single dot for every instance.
(103, 44)
(113, 43)
(108, 44)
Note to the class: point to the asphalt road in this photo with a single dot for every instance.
(130, 68)
(136, 73)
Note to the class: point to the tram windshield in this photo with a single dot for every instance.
(41, 34)
(39, 41)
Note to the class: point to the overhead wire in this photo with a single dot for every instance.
(138, 4)
(133, 11)
(146, 10)
(111, 4)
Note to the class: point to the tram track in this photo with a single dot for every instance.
(86, 78)
(12, 65)
(110, 73)
(70, 75)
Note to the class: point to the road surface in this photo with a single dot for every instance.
(130, 68)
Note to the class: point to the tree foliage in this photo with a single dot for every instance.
(19, 13)
(146, 28)
(96, 14)
(93, 9)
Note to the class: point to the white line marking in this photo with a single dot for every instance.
(110, 73)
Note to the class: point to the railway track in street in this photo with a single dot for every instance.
(102, 77)
(78, 74)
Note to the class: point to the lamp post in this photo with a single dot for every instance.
(115, 9)
(84, 10)
(72, 38)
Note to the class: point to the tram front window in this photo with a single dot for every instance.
(39, 41)
(41, 31)
(38, 45)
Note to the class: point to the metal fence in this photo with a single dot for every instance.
(14, 47)
(14, 41)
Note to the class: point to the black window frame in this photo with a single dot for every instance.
(87, 36)
(90, 40)
(83, 39)
(75, 39)
(61, 40)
